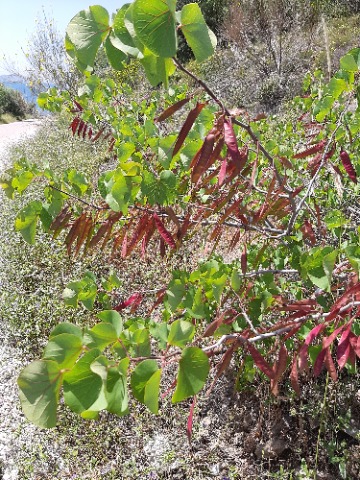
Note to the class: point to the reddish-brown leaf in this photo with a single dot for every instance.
(168, 112)
(344, 347)
(319, 147)
(294, 377)
(84, 131)
(345, 160)
(225, 361)
(166, 235)
(78, 106)
(231, 209)
(216, 153)
(319, 362)
(61, 220)
(111, 145)
(100, 234)
(205, 153)
(173, 217)
(184, 228)
(74, 125)
(133, 301)
(124, 246)
(232, 145)
(279, 368)
(222, 173)
(306, 305)
(185, 129)
(83, 236)
(355, 343)
(74, 231)
(98, 135)
(162, 248)
(260, 361)
(81, 127)
(352, 294)
(149, 233)
(303, 353)
(226, 317)
(234, 240)
(330, 366)
(138, 233)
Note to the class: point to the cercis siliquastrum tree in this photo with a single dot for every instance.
(271, 189)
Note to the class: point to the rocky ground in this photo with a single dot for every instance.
(10, 357)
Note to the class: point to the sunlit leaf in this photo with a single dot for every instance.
(39, 385)
(193, 372)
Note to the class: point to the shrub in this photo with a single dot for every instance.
(12, 102)
(275, 191)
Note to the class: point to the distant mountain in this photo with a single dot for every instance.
(16, 83)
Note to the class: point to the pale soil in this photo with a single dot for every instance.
(10, 358)
(14, 132)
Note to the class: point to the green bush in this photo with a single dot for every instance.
(11, 101)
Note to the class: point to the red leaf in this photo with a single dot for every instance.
(162, 248)
(98, 135)
(319, 362)
(139, 232)
(305, 348)
(74, 125)
(185, 129)
(78, 106)
(172, 109)
(344, 347)
(222, 173)
(279, 368)
(319, 147)
(231, 143)
(350, 295)
(124, 246)
(345, 159)
(146, 239)
(100, 234)
(227, 317)
(190, 420)
(81, 127)
(355, 343)
(166, 235)
(133, 301)
(205, 153)
(260, 361)
(330, 366)
(216, 153)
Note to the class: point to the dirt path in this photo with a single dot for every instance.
(14, 132)
(11, 418)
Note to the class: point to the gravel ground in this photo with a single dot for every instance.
(11, 418)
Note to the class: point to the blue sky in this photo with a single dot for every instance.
(18, 21)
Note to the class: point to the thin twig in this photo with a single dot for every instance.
(91, 205)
